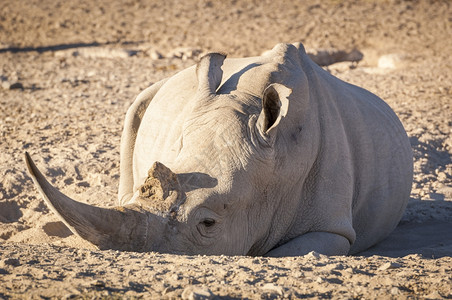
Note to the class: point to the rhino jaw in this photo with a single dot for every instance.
(120, 228)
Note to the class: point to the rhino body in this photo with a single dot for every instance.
(267, 155)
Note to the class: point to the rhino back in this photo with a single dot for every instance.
(366, 155)
(382, 167)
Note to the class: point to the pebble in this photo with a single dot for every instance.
(442, 176)
(6, 85)
(98, 283)
(12, 262)
(446, 191)
(16, 85)
(395, 291)
(338, 266)
(391, 61)
(340, 67)
(175, 277)
(297, 274)
(314, 255)
(185, 53)
(434, 295)
(389, 265)
(196, 293)
(154, 54)
(273, 288)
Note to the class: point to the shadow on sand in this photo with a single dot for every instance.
(51, 48)
(429, 235)
(60, 47)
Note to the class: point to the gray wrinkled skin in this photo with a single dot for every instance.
(267, 155)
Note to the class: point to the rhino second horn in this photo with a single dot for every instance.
(161, 189)
(119, 228)
(209, 73)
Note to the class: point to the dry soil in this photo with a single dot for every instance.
(69, 70)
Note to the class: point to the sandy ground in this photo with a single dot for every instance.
(70, 70)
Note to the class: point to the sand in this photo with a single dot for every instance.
(69, 71)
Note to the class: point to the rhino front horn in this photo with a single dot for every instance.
(119, 228)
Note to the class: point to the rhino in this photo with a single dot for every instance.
(268, 155)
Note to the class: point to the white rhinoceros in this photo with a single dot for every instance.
(267, 155)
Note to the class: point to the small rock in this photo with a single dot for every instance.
(128, 295)
(395, 291)
(6, 85)
(340, 67)
(98, 283)
(446, 190)
(196, 293)
(434, 295)
(154, 54)
(273, 288)
(334, 280)
(314, 255)
(391, 61)
(70, 296)
(413, 257)
(175, 277)
(338, 266)
(168, 290)
(389, 265)
(442, 176)
(33, 262)
(16, 85)
(297, 274)
(12, 262)
(185, 53)
(91, 73)
(256, 261)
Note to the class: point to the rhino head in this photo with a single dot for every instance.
(215, 197)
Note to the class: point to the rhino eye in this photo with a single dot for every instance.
(208, 222)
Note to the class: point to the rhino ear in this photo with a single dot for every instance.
(275, 104)
(209, 73)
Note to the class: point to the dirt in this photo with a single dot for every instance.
(69, 71)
